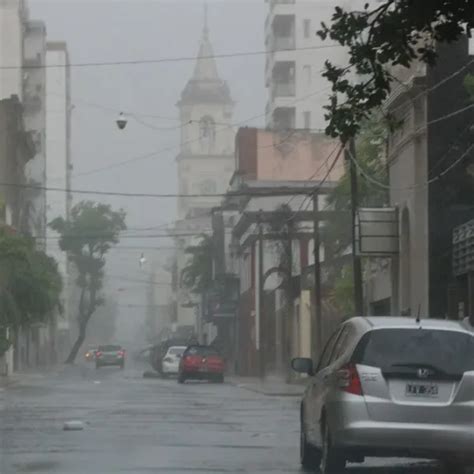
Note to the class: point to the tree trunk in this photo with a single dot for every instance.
(77, 345)
(83, 321)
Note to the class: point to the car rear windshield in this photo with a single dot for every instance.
(448, 351)
(202, 351)
(110, 348)
(176, 350)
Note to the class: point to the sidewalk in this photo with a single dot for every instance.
(271, 386)
(26, 376)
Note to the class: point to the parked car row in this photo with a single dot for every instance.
(390, 387)
(195, 361)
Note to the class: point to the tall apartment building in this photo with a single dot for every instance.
(34, 104)
(13, 13)
(297, 92)
(58, 164)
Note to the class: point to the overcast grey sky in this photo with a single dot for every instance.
(115, 30)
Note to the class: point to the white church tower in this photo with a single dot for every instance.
(206, 159)
(205, 164)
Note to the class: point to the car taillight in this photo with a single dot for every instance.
(98, 354)
(349, 381)
(121, 353)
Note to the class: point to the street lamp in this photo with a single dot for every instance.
(121, 121)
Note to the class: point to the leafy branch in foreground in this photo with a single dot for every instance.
(395, 33)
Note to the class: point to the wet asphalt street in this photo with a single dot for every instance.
(140, 426)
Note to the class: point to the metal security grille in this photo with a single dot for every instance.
(463, 248)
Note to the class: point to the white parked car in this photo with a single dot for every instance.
(170, 365)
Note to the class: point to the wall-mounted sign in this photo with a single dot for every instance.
(377, 232)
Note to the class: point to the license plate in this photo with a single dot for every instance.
(422, 390)
(202, 369)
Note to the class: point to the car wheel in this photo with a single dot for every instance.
(122, 366)
(97, 366)
(332, 460)
(310, 457)
(181, 378)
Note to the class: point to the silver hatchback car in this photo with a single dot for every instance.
(389, 386)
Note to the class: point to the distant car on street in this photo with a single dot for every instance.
(110, 355)
(90, 354)
(201, 363)
(390, 387)
(170, 363)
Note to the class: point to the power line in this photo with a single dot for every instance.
(190, 141)
(434, 86)
(314, 190)
(99, 236)
(280, 192)
(133, 62)
(415, 186)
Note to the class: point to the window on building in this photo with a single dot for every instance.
(307, 119)
(307, 28)
(208, 186)
(307, 75)
(207, 133)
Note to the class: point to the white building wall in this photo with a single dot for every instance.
(57, 163)
(12, 13)
(308, 64)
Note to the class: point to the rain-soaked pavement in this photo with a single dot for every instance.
(136, 425)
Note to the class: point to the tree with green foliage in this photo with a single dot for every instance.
(395, 32)
(370, 148)
(91, 232)
(469, 85)
(196, 276)
(30, 284)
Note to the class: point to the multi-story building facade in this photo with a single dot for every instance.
(34, 100)
(16, 150)
(278, 172)
(430, 161)
(205, 162)
(297, 92)
(58, 167)
(13, 14)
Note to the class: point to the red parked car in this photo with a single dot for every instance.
(201, 363)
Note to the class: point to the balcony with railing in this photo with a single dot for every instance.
(282, 33)
(283, 79)
(284, 118)
(284, 89)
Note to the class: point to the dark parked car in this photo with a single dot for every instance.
(110, 355)
(201, 363)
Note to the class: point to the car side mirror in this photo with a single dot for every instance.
(302, 365)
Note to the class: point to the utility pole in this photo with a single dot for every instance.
(318, 310)
(260, 303)
(356, 263)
